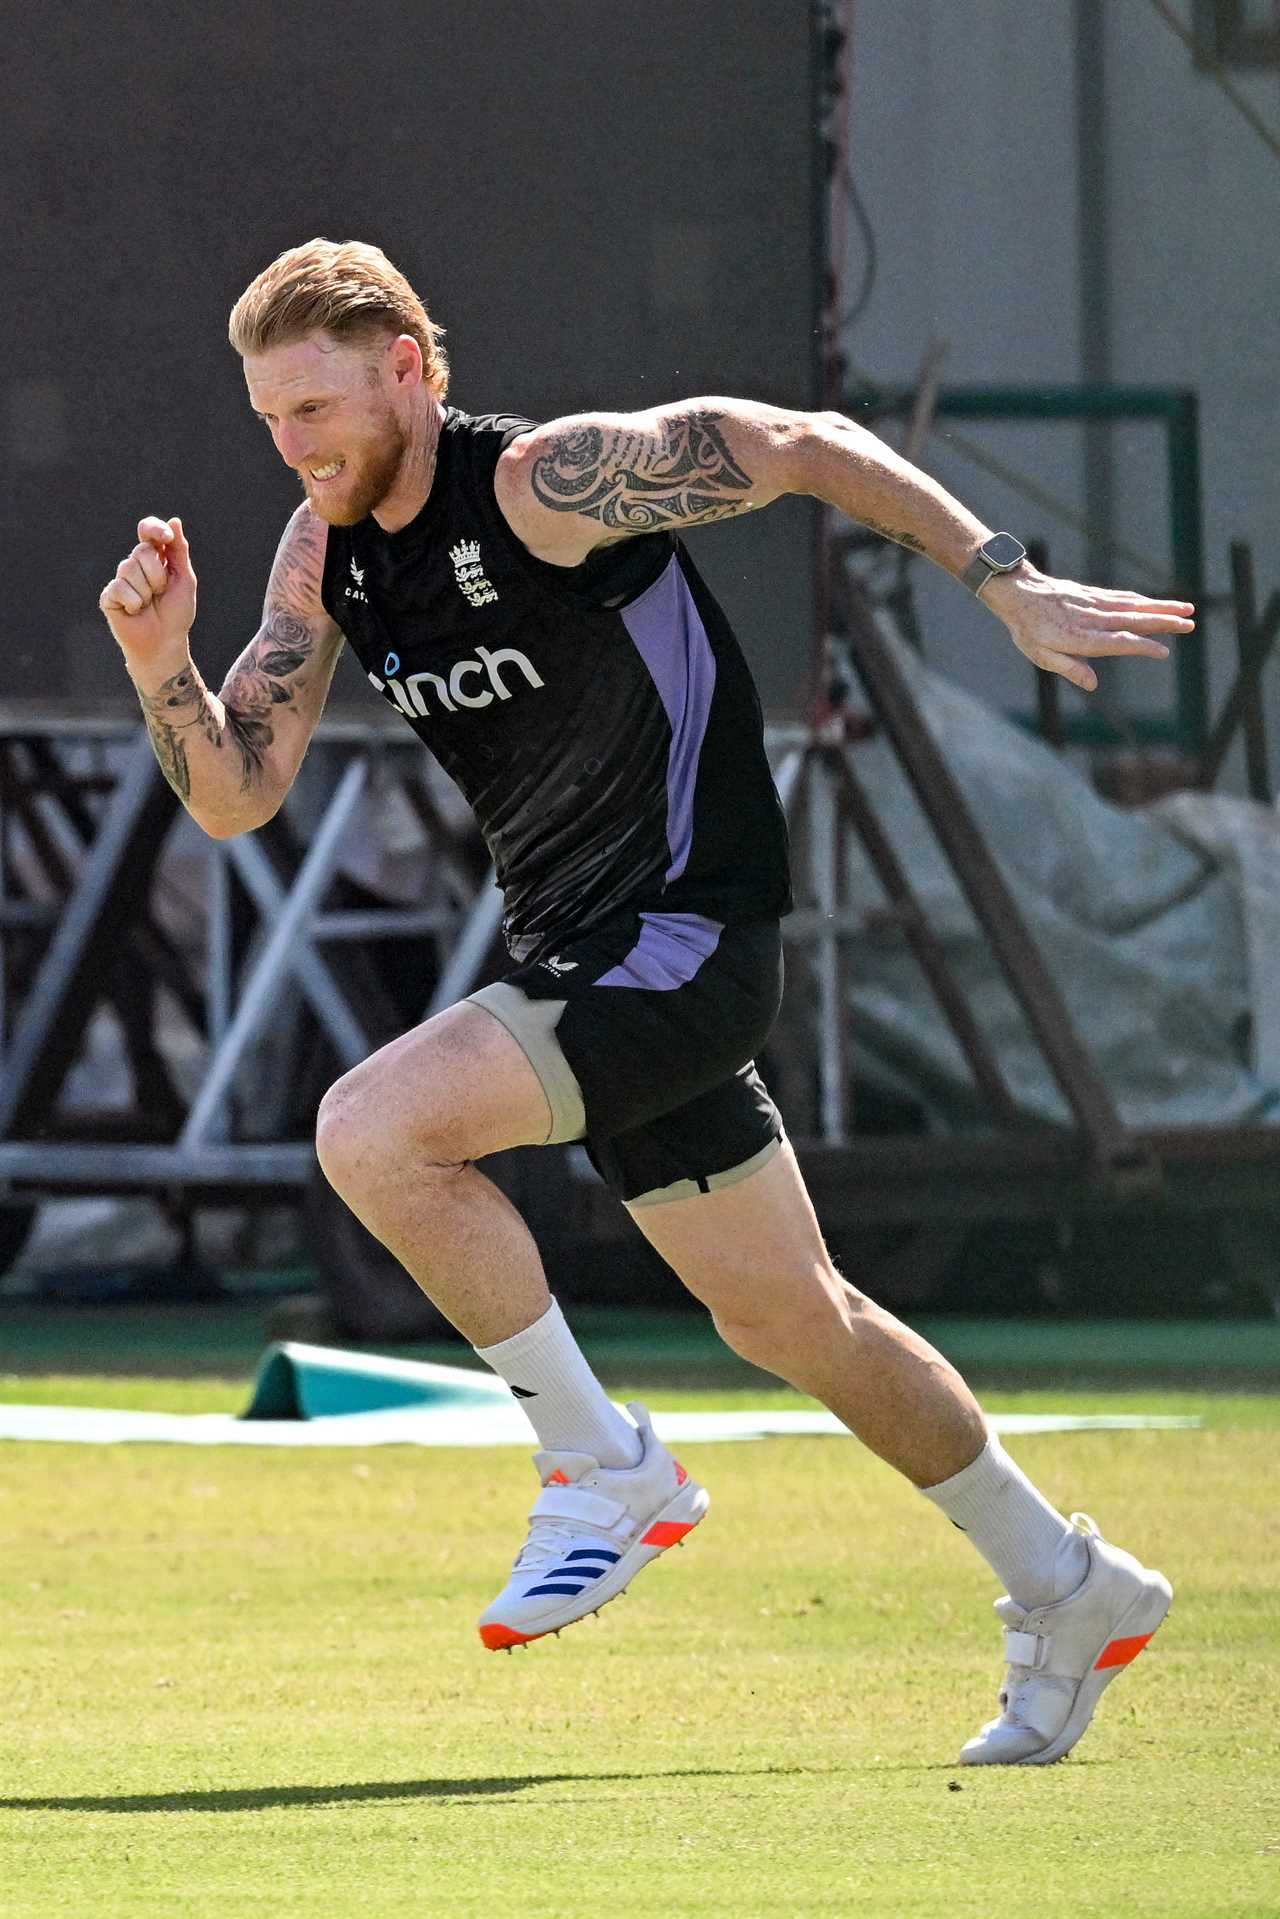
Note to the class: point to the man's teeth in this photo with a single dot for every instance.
(327, 472)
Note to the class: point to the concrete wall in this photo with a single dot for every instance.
(964, 146)
(605, 207)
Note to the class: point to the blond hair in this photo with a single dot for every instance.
(344, 287)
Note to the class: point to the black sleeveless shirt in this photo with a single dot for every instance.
(600, 720)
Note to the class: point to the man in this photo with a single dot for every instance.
(519, 593)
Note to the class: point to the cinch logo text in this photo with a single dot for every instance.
(414, 695)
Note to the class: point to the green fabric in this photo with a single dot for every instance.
(295, 1381)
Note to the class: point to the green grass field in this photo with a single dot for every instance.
(247, 1682)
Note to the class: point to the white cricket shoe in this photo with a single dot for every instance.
(1062, 1656)
(591, 1529)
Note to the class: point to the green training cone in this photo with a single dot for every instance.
(295, 1381)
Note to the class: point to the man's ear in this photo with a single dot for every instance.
(405, 356)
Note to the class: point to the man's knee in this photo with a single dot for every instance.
(361, 1124)
(773, 1328)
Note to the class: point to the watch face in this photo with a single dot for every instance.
(1002, 551)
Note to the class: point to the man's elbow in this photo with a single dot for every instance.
(218, 829)
(821, 448)
(229, 826)
(778, 452)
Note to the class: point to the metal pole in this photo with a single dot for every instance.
(273, 967)
(40, 1011)
(463, 964)
(4, 921)
(1187, 539)
(1113, 1150)
(823, 855)
(218, 986)
(1255, 637)
(1093, 266)
(787, 775)
(350, 1040)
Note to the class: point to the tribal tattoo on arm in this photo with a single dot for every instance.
(639, 482)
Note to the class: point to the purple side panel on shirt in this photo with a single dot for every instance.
(672, 641)
(669, 951)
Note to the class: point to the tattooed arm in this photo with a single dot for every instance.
(580, 483)
(576, 483)
(570, 486)
(230, 757)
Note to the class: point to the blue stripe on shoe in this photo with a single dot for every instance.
(572, 1591)
(592, 1552)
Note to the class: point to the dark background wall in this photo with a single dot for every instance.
(604, 206)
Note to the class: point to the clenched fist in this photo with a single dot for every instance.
(150, 605)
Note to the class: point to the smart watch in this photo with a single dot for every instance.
(1000, 554)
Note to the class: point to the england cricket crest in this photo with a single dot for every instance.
(468, 571)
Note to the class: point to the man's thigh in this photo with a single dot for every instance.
(458, 1084)
(748, 1249)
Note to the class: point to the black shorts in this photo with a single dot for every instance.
(644, 1033)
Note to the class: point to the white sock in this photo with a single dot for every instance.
(1039, 1555)
(566, 1405)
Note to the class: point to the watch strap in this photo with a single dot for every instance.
(982, 567)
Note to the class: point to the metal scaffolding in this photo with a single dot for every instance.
(82, 864)
(289, 963)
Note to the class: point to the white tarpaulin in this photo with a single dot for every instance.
(1160, 927)
(322, 1396)
(467, 1426)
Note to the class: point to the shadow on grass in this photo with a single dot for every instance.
(263, 1798)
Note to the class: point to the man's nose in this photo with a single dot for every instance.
(291, 444)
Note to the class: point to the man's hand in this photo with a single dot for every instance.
(1061, 626)
(150, 605)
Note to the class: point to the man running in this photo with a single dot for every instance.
(520, 593)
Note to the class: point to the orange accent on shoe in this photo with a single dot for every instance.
(665, 1532)
(558, 1478)
(1120, 1651)
(681, 1474)
(498, 1638)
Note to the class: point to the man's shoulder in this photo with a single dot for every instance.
(297, 573)
(304, 527)
(497, 428)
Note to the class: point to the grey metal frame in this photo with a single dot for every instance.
(298, 936)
